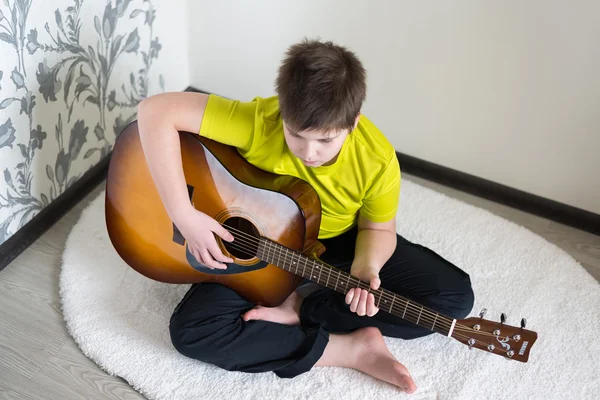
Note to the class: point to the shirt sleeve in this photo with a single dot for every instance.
(380, 203)
(230, 122)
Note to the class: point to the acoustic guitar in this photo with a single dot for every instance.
(274, 220)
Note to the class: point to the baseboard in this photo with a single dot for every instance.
(533, 204)
(543, 207)
(32, 230)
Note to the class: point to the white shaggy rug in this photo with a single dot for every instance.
(120, 318)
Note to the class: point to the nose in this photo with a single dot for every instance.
(310, 152)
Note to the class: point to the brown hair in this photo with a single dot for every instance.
(320, 86)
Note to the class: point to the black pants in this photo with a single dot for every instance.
(206, 325)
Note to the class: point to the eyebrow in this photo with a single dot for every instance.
(326, 138)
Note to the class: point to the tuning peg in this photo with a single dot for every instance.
(523, 323)
(471, 343)
(502, 318)
(482, 312)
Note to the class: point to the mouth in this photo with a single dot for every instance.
(310, 162)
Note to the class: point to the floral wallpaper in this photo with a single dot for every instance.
(70, 80)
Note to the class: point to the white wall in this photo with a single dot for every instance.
(508, 91)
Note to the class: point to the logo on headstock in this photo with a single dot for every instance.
(523, 348)
(503, 341)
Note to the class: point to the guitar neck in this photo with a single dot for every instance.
(340, 281)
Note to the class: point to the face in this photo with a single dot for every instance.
(315, 148)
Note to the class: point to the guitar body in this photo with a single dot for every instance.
(223, 185)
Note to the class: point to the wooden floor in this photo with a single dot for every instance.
(39, 360)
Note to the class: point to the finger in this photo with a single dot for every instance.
(375, 282)
(203, 258)
(217, 254)
(210, 262)
(222, 232)
(349, 296)
(371, 308)
(194, 253)
(355, 300)
(362, 304)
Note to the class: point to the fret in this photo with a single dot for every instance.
(419, 317)
(320, 267)
(285, 256)
(405, 307)
(328, 276)
(435, 319)
(337, 280)
(268, 257)
(380, 294)
(392, 306)
(291, 261)
(304, 268)
(280, 258)
(297, 262)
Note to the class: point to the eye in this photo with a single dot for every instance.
(325, 140)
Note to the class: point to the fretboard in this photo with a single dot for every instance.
(340, 281)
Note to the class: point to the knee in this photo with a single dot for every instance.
(194, 340)
(205, 341)
(463, 301)
(181, 338)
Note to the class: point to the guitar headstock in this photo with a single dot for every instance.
(495, 337)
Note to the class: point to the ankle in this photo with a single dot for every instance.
(297, 303)
(339, 352)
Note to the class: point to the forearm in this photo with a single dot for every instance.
(374, 248)
(162, 149)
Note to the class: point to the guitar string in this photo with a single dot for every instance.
(398, 308)
(428, 313)
(412, 314)
(458, 335)
(415, 311)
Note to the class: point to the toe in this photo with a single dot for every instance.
(252, 314)
(406, 382)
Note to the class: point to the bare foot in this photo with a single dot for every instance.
(365, 351)
(286, 313)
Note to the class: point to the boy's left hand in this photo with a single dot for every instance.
(361, 301)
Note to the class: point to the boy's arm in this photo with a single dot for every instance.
(375, 244)
(159, 118)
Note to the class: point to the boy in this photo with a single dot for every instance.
(312, 129)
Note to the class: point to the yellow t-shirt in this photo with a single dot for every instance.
(364, 179)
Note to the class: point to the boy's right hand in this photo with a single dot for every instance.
(199, 229)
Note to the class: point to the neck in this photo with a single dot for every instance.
(340, 281)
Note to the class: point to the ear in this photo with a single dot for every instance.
(356, 120)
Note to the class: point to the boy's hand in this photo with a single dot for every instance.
(199, 231)
(361, 301)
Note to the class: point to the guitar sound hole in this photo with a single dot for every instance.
(246, 238)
